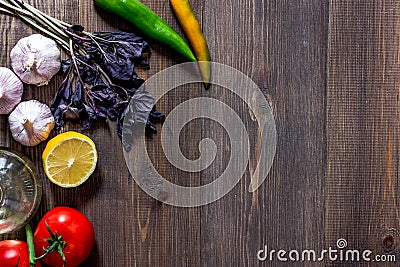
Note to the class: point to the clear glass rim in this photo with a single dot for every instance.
(37, 185)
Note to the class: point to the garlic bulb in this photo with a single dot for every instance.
(11, 89)
(31, 122)
(35, 59)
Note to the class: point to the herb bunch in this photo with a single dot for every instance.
(99, 76)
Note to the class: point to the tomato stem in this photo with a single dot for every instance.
(31, 247)
(55, 244)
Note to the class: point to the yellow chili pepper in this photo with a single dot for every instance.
(192, 29)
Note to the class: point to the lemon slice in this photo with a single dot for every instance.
(69, 159)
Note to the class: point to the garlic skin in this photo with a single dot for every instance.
(35, 59)
(11, 89)
(31, 122)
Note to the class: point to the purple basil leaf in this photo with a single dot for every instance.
(142, 104)
(156, 117)
(71, 113)
(87, 124)
(78, 94)
(86, 95)
(120, 69)
(103, 99)
(150, 128)
(143, 101)
(90, 112)
(117, 110)
(78, 29)
(65, 66)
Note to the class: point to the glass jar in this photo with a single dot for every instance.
(20, 190)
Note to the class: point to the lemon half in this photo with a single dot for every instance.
(69, 159)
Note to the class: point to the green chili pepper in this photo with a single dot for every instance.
(148, 22)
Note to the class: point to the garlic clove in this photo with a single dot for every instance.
(11, 89)
(35, 59)
(31, 122)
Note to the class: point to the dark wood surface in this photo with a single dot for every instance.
(330, 70)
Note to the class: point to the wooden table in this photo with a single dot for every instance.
(330, 70)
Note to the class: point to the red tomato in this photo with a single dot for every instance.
(70, 226)
(14, 253)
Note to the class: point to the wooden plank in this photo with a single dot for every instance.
(152, 234)
(132, 229)
(14, 31)
(363, 126)
(282, 46)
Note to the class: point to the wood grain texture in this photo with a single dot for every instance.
(281, 45)
(330, 71)
(363, 125)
